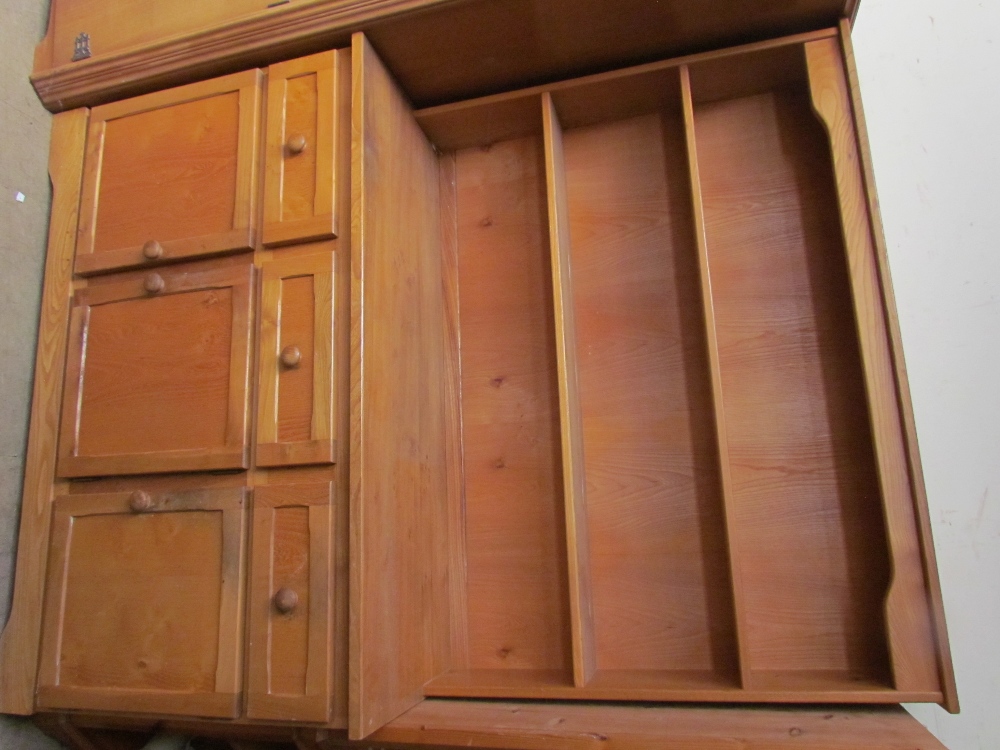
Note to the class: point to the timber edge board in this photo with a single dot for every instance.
(445, 723)
(408, 34)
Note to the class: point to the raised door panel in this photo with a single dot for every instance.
(290, 603)
(300, 182)
(157, 373)
(171, 175)
(296, 405)
(143, 603)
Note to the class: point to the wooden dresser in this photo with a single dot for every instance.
(493, 373)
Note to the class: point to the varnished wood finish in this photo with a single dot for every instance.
(159, 382)
(452, 369)
(515, 567)
(570, 415)
(945, 666)
(296, 405)
(715, 376)
(559, 39)
(671, 686)
(290, 613)
(907, 614)
(146, 622)
(175, 169)
(19, 643)
(617, 94)
(342, 384)
(662, 596)
(536, 726)
(627, 419)
(808, 535)
(301, 155)
(399, 514)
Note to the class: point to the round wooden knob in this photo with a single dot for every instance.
(152, 250)
(296, 144)
(291, 356)
(140, 501)
(285, 600)
(153, 283)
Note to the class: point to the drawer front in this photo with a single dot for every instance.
(156, 376)
(143, 603)
(296, 406)
(290, 594)
(301, 150)
(171, 175)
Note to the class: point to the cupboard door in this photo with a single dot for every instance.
(170, 175)
(301, 153)
(143, 603)
(157, 371)
(295, 424)
(290, 598)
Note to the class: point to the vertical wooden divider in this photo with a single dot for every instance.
(455, 458)
(570, 417)
(712, 343)
(908, 620)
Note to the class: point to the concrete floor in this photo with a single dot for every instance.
(24, 136)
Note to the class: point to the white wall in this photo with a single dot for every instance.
(930, 79)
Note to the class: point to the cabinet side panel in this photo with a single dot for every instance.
(805, 483)
(399, 511)
(19, 644)
(946, 668)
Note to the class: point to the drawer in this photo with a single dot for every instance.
(296, 405)
(144, 596)
(290, 594)
(157, 370)
(171, 175)
(300, 182)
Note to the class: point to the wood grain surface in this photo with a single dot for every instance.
(289, 654)
(907, 614)
(661, 581)
(809, 536)
(945, 666)
(149, 621)
(176, 167)
(399, 637)
(296, 403)
(300, 185)
(518, 598)
(158, 382)
(19, 643)
(537, 726)
(570, 415)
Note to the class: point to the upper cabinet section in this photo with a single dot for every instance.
(439, 50)
(171, 176)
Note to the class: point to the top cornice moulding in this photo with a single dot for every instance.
(252, 40)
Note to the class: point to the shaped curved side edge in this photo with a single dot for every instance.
(20, 641)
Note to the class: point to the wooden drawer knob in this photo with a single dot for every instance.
(153, 283)
(285, 600)
(296, 144)
(290, 357)
(152, 250)
(140, 502)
